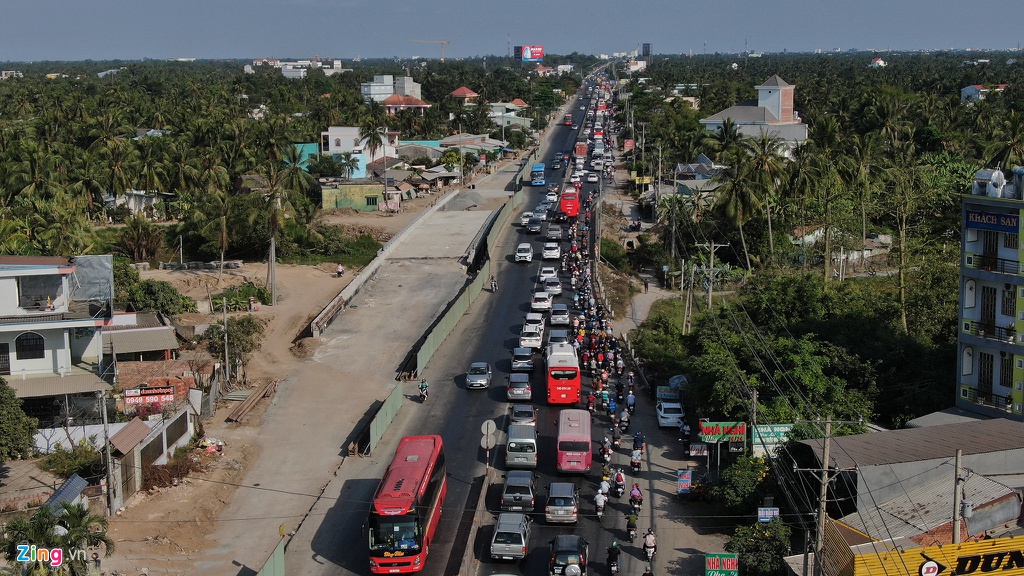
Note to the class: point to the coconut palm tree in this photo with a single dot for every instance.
(735, 195)
(767, 164)
(1007, 148)
(862, 164)
(725, 139)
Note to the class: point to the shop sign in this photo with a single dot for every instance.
(992, 221)
(721, 564)
(149, 395)
(723, 431)
(684, 479)
(1003, 556)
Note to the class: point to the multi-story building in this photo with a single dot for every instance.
(384, 85)
(990, 360)
(51, 317)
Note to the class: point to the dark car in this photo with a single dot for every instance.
(560, 216)
(569, 555)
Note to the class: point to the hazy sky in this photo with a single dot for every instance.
(108, 29)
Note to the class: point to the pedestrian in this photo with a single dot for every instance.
(341, 270)
(647, 284)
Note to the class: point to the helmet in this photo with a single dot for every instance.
(615, 544)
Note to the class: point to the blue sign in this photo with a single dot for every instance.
(766, 514)
(684, 479)
(992, 221)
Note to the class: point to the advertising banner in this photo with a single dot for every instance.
(723, 431)
(765, 438)
(721, 564)
(684, 479)
(151, 395)
(992, 221)
(1003, 556)
(529, 53)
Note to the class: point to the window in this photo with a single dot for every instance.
(371, 200)
(1009, 303)
(1011, 241)
(29, 346)
(1006, 371)
(337, 142)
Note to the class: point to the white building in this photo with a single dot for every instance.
(977, 92)
(299, 68)
(51, 321)
(384, 85)
(772, 112)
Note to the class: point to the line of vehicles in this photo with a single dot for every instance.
(409, 500)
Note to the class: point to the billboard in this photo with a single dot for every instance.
(529, 53)
(713, 432)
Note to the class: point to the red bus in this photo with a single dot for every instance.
(568, 120)
(574, 442)
(407, 506)
(563, 375)
(569, 202)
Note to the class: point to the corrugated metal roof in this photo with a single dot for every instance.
(128, 438)
(57, 385)
(924, 507)
(948, 416)
(916, 444)
(69, 491)
(141, 340)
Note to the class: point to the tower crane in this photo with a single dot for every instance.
(441, 42)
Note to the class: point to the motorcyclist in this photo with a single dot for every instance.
(605, 487)
(600, 500)
(624, 419)
(423, 387)
(638, 441)
(650, 540)
(630, 402)
(635, 456)
(620, 477)
(613, 553)
(648, 572)
(494, 284)
(631, 521)
(616, 435)
(636, 494)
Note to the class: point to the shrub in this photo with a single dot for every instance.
(81, 459)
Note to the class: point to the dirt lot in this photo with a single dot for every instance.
(164, 530)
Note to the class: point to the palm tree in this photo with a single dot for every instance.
(348, 162)
(13, 238)
(372, 137)
(767, 164)
(70, 527)
(862, 167)
(735, 195)
(140, 239)
(725, 139)
(1007, 148)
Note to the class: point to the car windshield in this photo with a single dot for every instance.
(517, 490)
(521, 448)
(560, 502)
(522, 413)
(563, 374)
(518, 384)
(478, 370)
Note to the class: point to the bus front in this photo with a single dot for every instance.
(396, 541)
(537, 175)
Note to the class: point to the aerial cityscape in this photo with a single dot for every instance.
(732, 289)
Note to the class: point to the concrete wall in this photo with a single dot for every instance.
(353, 196)
(54, 361)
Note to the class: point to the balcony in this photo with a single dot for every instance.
(990, 400)
(990, 331)
(992, 264)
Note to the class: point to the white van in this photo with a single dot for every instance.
(521, 446)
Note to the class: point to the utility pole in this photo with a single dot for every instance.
(106, 453)
(273, 272)
(711, 247)
(958, 494)
(689, 299)
(819, 541)
(227, 369)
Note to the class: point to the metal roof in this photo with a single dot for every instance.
(128, 437)
(917, 444)
(60, 261)
(948, 416)
(141, 340)
(775, 81)
(924, 507)
(743, 115)
(57, 385)
(69, 491)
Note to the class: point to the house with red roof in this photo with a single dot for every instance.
(465, 94)
(395, 102)
(878, 63)
(978, 92)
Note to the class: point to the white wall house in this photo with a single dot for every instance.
(772, 113)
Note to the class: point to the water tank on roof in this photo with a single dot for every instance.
(996, 183)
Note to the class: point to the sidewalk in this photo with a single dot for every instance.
(685, 529)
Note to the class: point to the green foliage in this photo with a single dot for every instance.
(141, 240)
(69, 526)
(126, 278)
(761, 547)
(81, 459)
(238, 296)
(743, 484)
(613, 253)
(334, 245)
(160, 296)
(16, 428)
(244, 338)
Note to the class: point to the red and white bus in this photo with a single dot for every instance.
(407, 506)
(574, 442)
(568, 120)
(563, 375)
(569, 202)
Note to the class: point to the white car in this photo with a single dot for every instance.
(670, 414)
(560, 315)
(524, 218)
(541, 302)
(524, 252)
(553, 286)
(551, 197)
(575, 177)
(552, 251)
(548, 272)
(592, 177)
(531, 337)
(535, 319)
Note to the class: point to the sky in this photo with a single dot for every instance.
(345, 29)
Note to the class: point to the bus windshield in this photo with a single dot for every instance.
(392, 533)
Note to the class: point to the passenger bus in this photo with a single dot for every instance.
(574, 442)
(537, 174)
(569, 202)
(407, 505)
(563, 375)
(568, 120)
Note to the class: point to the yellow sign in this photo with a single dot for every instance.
(1004, 556)
(643, 180)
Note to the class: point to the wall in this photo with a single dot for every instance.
(352, 196)
(53, 361)
(85, 345)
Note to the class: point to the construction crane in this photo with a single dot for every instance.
(441, 42)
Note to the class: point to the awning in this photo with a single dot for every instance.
(57, 385)
(141, 340)
(128, 438)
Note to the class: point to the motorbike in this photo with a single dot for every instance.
(606, 455)
(600, 512)
(617, 441)
(631, 531)
(590, 407)
(613, 565)
(650, 550)
(619, 489)
(624, 426)
(634, 466)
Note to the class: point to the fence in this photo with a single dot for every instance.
(384, 416)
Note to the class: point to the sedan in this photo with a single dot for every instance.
(551, 197)
(548, 272)
(553, 286)
(522, 360)
(541, 302)
(592, 177)
(524, 218)
(531, 337)
(670, 414)
(519, 387)
(552, 251)
(523, 414)
(479, 375)
(575, 177)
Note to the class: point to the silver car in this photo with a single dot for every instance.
(479, 375)
(519, 387)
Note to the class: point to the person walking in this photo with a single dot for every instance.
(647, 284)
